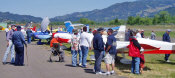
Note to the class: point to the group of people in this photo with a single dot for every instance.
(15, 44)
(81, 43)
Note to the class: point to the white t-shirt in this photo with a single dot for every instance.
(138, 35)
(6, 30)
(85, 39)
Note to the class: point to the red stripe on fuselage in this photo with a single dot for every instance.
(160, 52)
(145, 46)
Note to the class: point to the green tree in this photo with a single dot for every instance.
(164, 17)
(156, 19)
(86, 21)
(148, 21)
(130, 20)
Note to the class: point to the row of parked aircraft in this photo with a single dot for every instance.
(149, 46)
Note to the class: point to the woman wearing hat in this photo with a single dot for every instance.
(75, 48)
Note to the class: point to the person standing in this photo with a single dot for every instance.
(153, 35)
(19, 41)
(98, 46)
(134, 52)
(75, 48)
(166, 38)
(29, 35)
(10, 46)
(7, 30)
(85, 44)
(110, 52)
(138, 35)
(142, 34)
(90, 30)
(127, 35)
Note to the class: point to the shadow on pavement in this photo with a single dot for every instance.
(70, 65)
(8, 63)
(89, 71)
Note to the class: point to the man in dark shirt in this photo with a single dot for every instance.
(142, 34)
(29, 35)
(98, 46)
(19, 41)
(166, 38)
(110, 52)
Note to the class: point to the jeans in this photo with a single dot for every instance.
(29, 40)
(19, 59)
(80, 57)
(10, 47)
(74, 57)
(135, 65)
(98, 59)
(167, 56)
(85, 51)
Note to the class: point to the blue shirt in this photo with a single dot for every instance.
(111, 41)
(166, 37)
(29, 33)
(18, 39)
(98, 43)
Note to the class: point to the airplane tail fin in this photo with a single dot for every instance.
(121, 33)
(68, 26)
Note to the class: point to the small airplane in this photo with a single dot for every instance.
(43, 34)
(64, 37)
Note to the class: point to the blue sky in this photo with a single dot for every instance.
(52, 8)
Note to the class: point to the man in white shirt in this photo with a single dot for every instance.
(138, 35)
(7, 30)
(85, 44)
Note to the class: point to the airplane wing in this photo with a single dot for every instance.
(75, 25)
(156, 47)
(161, 45)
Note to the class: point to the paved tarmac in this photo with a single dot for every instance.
(39, 67)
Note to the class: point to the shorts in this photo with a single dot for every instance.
(109, 58)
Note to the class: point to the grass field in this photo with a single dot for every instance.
(155, 66)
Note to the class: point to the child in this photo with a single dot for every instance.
(142, 61)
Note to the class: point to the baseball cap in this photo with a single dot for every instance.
(18, 27)
(169, 30)
(100, 29)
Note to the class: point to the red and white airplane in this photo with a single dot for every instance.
(149, 46)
